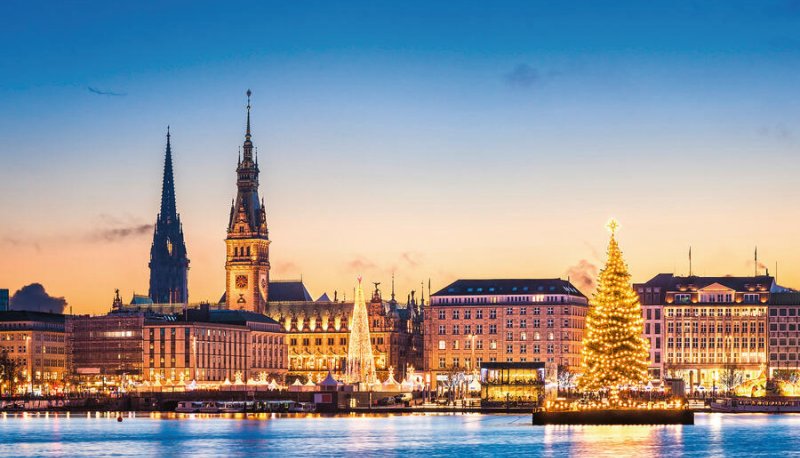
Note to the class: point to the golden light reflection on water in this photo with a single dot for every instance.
(612, 440)
(429, 436)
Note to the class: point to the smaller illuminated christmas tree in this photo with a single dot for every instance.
(615, 352)
(360, 362)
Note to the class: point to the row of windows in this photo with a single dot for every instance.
(522, 337)
(783, 356)
(697, 327)
(783, 342)
(720, 358)
(456, 362)
(523, 324)
(330, 341)
(712, 311)
(456, 314)
(650, 312)
(719, 342)
(500, 299)
(686, 298)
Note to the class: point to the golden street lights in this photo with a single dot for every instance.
(29, 351)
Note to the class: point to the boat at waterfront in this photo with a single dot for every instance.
(303, 407)
(188, 407)
(756, 405)
(235, 407)
(210, 407)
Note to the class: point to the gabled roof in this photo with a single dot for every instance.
(285, 291)
(141, 299)
(288, 291)
(509, 286)
(670, 282)
(716, 286)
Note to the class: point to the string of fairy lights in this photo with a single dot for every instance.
(615, 354)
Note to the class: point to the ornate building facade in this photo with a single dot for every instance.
(318, 332)
(168, 261)
(702, 327)
(247, 256)
(470, 322)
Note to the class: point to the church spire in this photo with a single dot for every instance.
(168, 260)
(168, 208)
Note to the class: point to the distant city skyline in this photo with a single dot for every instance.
(437, 141)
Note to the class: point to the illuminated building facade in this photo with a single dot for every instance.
(169, 264)
(318, 332)
(471, 322)
(707, 325)
(212, 346)
(520, 382)
(247, 256)
(37, 341)
(106, 351)
(173, 344)
(784, 333)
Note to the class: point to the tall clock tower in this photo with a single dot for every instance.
(247, 257)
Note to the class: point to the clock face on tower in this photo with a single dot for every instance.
(241, 281)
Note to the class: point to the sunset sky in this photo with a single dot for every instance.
(438, 140)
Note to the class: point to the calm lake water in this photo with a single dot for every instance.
(411, 435)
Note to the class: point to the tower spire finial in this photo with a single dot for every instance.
(392, 286)
(247, 134)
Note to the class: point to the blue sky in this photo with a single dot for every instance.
(475, 139)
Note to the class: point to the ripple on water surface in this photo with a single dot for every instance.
(408, 435)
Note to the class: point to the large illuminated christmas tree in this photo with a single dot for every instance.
(360, 362)
(615, 353)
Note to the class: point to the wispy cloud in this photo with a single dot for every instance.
(108, 229)
(360, 264)
(116, 234)
(583, 275)
(522, 76)
(778, 131)
(107, 93)
(411, 258)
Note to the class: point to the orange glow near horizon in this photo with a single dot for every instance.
(86, 273)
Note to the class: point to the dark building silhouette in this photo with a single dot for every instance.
(168, 261)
